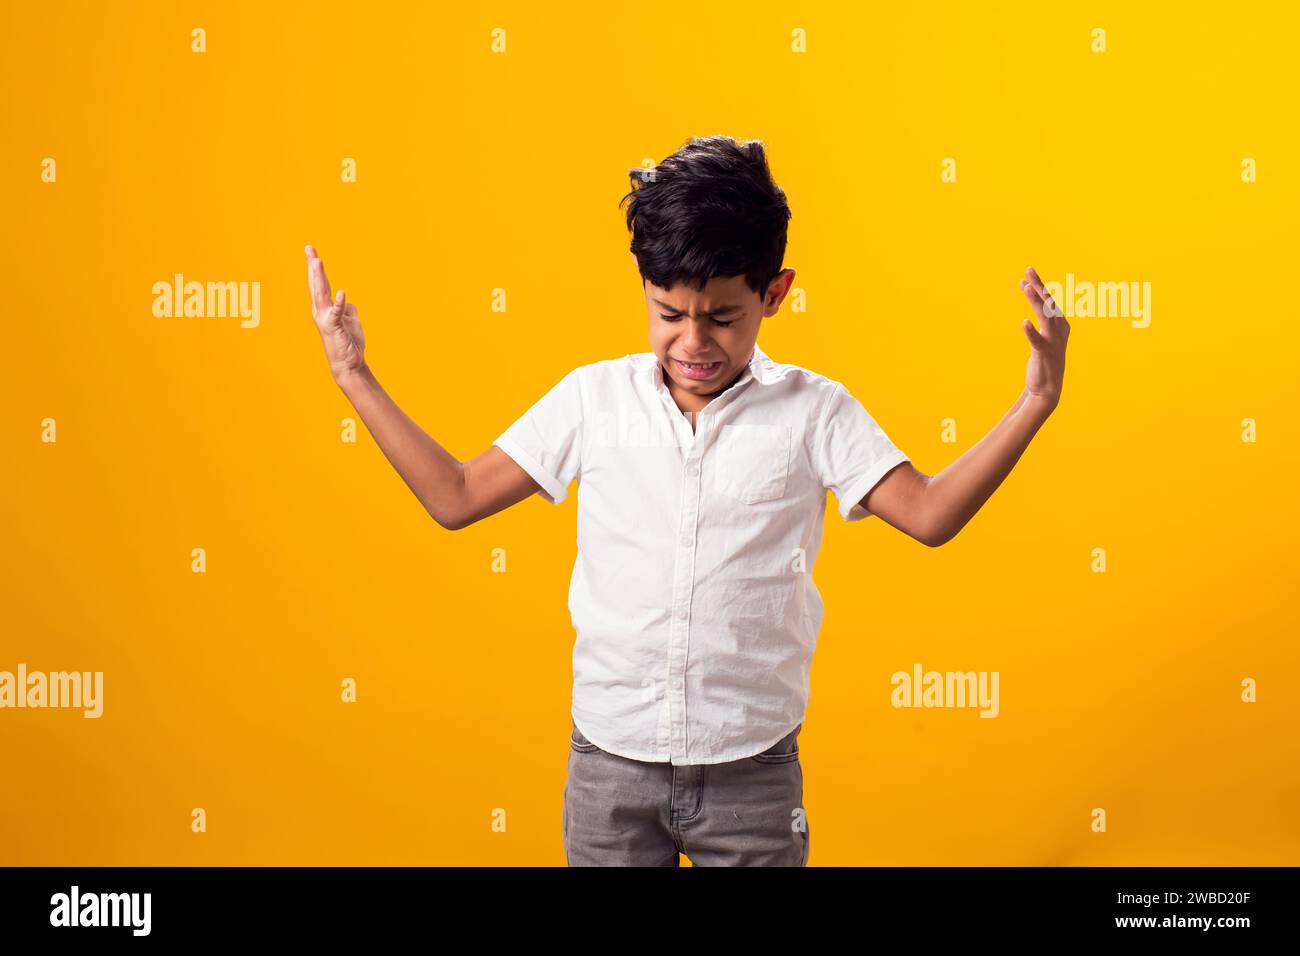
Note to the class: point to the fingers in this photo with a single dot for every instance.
(1035, 299)
(1057, 325)
(1051, 319)
(1033, 284)
(311, 272)
(317, 281)
(1052, 330)
(1031, 274)
(1050, 309)
(1035, 339)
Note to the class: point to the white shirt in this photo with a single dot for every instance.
(692, 593)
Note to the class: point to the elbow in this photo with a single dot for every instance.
(457, 525)
(456, 513)
(935, 527)
(936, 537)
(931, 530)
(453, 522)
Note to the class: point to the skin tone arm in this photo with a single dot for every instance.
(933, 509)
(455, 493)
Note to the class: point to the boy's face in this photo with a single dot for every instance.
(713, 330)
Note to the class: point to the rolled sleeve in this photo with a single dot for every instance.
(853, 452)
(546, 441)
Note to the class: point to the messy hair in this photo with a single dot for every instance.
(710, 209)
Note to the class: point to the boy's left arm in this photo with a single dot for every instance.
(934, 509)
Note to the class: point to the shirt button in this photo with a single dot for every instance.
(686, 540)
(681, 613)
(693, 470)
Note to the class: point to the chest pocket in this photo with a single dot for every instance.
(751, 462)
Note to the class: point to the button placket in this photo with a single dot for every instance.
(683, 590)
(693, 443)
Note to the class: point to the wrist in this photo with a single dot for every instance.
(1039, 406)
(354, 379)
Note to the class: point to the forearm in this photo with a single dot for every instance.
(433, 474)
(953, 496)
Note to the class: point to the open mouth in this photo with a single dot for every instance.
(698, 370)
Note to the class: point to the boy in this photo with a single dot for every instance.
(703, 468)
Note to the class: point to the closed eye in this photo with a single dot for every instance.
(718, 323)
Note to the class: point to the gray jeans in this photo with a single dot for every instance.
(747, 812)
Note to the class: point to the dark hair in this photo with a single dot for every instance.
(710, 209)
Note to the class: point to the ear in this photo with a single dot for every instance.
(778, 290)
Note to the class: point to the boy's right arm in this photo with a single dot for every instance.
(456, 494)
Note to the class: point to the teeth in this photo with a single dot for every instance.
(690, 365)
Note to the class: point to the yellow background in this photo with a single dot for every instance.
(479, 170)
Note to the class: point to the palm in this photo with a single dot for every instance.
(1037, 375)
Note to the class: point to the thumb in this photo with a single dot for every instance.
(336, 310)
(1035, 337)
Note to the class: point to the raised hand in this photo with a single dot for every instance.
(336, 320)
(1045, 373)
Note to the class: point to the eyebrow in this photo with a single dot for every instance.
(724, 310)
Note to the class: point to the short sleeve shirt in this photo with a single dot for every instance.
(692, 594)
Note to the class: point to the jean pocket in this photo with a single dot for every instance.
(580, 743)
(751, 462)
(785, 750)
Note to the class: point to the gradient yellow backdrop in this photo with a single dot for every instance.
(480, 170)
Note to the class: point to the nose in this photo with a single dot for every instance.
(694, 341)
